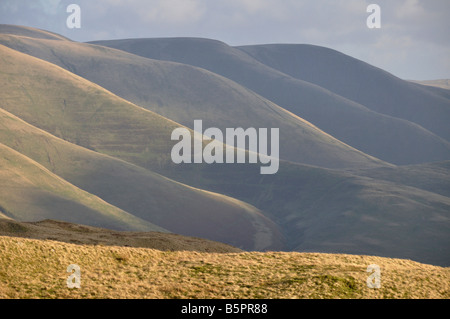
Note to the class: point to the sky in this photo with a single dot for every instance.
(413, 41)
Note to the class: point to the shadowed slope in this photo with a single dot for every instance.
(81, 234)
(99, 120)
(177, 207)
(336, 206)
(184, 93)
(29, 192)
(383, 136)
(432, 177)
(358, 81)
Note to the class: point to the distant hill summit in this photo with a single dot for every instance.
(358, 81)
(30, 32)
(360, 105)
(442, 83)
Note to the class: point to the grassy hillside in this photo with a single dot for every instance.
(87, 235)
(316, 209)
(184, 93)
(37, 269)
(28, 191)
(384, 136)
(359, 82)
(30, 32)
(152, 197)
(80, 111)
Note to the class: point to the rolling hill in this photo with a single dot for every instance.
(149, 196)
(29, 192)
(359, 82)
(199, 94)
(432, 177)
(375, 131)
(47, 110)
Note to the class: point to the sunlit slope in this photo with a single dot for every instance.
(29, 192)
(151, 197)
(337, 206)
(37, 269)
(81, 112)
(30, 32)
(333, 204)
(381, 135)
(184, 93)
(358, 81)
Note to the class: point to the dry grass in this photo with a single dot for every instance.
(37, 269)
(87, 235)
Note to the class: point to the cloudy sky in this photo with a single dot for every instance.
(412, 43)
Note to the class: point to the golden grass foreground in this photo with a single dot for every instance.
(31, 268)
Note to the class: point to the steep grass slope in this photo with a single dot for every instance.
(30, 192)
(317, 209)
(151, 197)
(432, 177)
(184, 93)
(30, 32)
(384, 136)
(359, 82)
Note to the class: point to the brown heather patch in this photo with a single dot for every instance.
(32, 268)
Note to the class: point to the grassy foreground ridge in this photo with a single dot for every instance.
(31, 268)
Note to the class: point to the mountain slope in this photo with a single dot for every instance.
(432, 177)
(30, 192)
(359, 82)
(97, 119)
(317, 209)
(30, 32)
(184, 94)
(149, 196)
(333, 211)
(383, 136)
